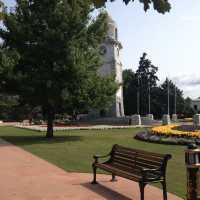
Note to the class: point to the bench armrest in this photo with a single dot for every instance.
(156, 171)
(96, 157)
(150, 170)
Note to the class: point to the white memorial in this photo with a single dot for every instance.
(136, 120)
(196, 120)
(166, 119)
(174, 118)
(150, 117)
(110, 54)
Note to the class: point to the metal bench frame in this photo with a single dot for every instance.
(139, 166)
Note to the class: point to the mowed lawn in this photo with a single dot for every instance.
(73, 150)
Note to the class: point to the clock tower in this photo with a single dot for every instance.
(110, 52)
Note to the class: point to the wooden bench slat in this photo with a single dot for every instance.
(133, 154)
(148, 162)
(133, 160)
(120, 172)
(118, 147)
(129, 156)
(124, 162)
(145, 165)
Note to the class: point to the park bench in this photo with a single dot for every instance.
(136, 165)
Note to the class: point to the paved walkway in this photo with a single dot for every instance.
(66, 128)
(27, 177)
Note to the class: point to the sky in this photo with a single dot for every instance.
(172, 41)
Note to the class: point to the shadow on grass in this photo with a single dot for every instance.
(29, 140)
(105, 192)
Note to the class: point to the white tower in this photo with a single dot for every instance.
(110, 51)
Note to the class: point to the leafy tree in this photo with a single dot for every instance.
(6, 104)
(146, 74)
(129, 92)
(188, 111)
(1, 10)
(57, 56)
(161, 6)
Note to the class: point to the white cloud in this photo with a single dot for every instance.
(189, 83)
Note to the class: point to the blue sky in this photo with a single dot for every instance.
(172, 41)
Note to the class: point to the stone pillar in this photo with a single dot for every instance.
(150, 117)
(136, 120)
(196, 120)
(174, 117)
(166, 119)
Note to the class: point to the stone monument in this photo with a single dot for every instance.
(136, 120)
(166, 119)
(110, 53)
(174, 117)
(196, 120)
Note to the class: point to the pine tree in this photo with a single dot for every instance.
(57, 46)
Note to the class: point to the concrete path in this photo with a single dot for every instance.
(66, 128)
(24, 176)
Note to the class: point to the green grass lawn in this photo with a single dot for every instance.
(73, 150)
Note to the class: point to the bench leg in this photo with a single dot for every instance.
(142, 186)
(113, 178)
(164, 190)
(94, 174)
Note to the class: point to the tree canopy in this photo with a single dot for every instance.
(161, 6)
(1, 10)
(57, 57)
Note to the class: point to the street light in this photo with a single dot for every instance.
(138, 95)
(149, 93)
(175, 100)
(167, 96)
(166, 117)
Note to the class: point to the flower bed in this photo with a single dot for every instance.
(171, 134)
(174, 130)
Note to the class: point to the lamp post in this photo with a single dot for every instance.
(166, 117)
(174, 116)
(138, 95)
(136, 119)
(149, 96)
(175, 100)
(167, 96)
(149, 115)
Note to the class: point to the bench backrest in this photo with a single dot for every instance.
(132, 159)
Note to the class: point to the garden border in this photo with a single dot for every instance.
(163, 139)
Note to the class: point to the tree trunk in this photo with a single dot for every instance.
(50, 120)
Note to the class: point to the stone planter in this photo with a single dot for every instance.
(135, 120)
(196, 120)
(174, 117)
(166, 120)
(150, 117)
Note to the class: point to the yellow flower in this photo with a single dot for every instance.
(170, 130)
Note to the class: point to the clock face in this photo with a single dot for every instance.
(103, 50)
